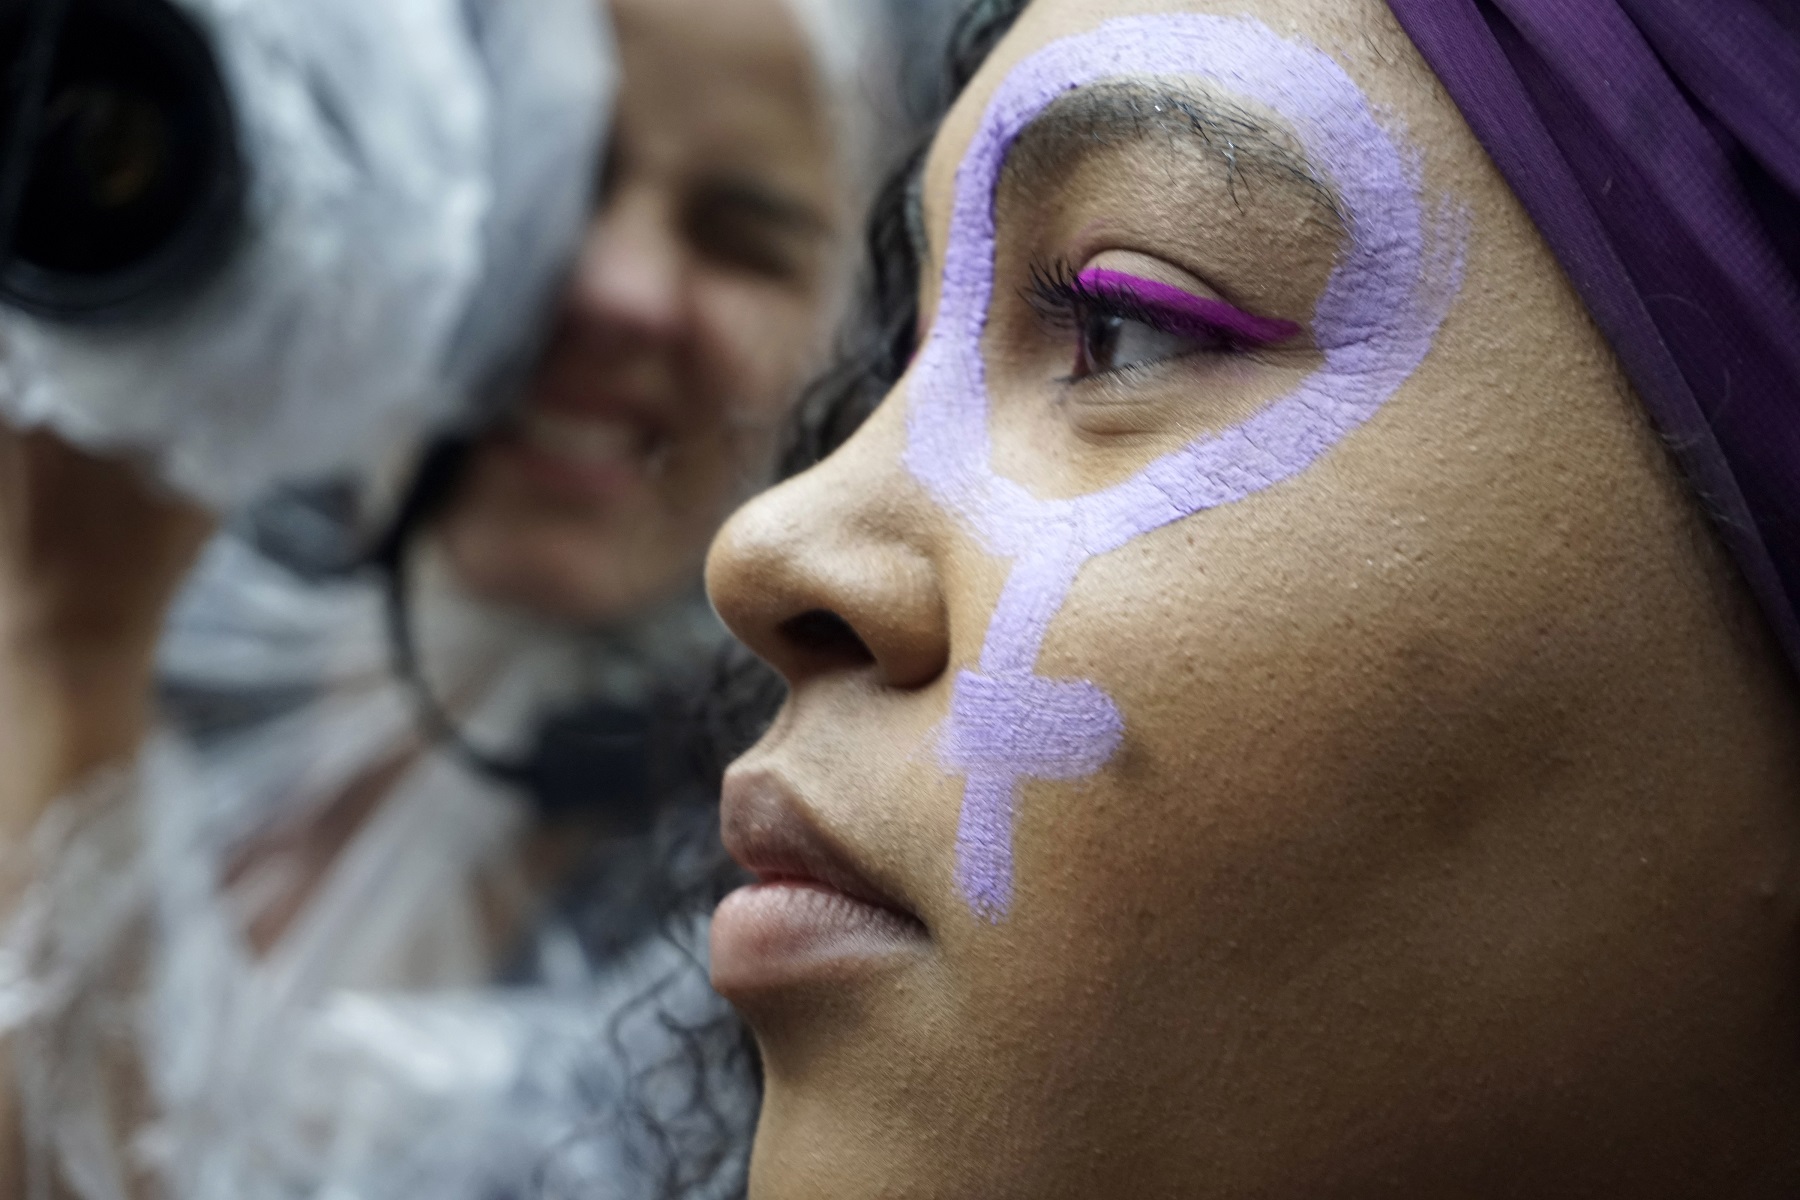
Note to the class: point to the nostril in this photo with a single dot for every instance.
(825, 636)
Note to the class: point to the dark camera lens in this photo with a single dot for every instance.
(107, 190)
(132, 181)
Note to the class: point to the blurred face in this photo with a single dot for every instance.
(694, 311)
(1264, 721)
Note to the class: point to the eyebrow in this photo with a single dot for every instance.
(1108, 114)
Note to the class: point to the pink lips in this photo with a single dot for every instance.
(813, 913)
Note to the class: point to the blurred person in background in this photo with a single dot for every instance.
(270, 960)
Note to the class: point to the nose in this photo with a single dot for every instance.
(631, 276)
(837, 570)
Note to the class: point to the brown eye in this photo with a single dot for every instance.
(743, 242)
(1098, 341)
(1110, 342)
(748, 228)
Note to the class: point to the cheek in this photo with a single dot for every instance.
(1249, 712)
(1268, 790)
(1294, 669)
(1363, 715)
(756, 342)
(504, 524)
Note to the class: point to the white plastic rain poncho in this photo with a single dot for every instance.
(414, 191)
(366, 1051)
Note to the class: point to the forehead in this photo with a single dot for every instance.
(1361, 35)
(727, 84)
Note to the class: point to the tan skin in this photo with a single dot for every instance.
(91, 552)
(700, 300)
(1451, 851)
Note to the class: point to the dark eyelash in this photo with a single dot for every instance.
(1059, 297)
(1057, 294)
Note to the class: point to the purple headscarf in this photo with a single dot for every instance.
(1656, 144)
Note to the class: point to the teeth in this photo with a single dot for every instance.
(585, 439)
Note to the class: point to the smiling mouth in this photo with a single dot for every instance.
(593, 440)
(812, 915)
(588, 454)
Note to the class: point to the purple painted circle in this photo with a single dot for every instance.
(1375, 320)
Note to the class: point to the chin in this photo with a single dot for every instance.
(582, 564)
(535, 575)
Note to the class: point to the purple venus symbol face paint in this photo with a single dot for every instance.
(1380, 311)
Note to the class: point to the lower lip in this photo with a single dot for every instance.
(774, 935)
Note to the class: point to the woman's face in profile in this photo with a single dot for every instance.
(1264, 719)
(699, 300)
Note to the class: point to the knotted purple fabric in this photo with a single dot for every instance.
(1656, 145)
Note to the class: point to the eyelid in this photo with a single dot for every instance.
(1188, 313)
